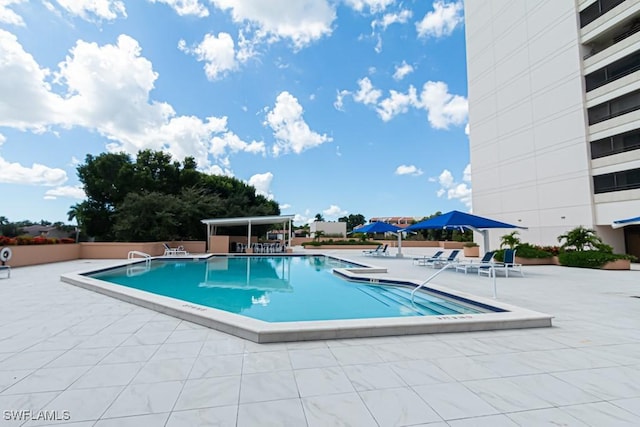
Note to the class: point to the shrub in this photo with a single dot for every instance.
(553, 250)
(581, 238)
(590, 259)
(24, 240)
(67, 240)
(525, 250)
(470, 244)
(350, 242)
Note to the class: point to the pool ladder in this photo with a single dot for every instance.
(138, 254)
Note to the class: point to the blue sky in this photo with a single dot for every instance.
(328, 106)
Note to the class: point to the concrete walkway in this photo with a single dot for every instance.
(110, 363)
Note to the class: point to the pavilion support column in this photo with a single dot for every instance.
(249, 238)
(208, 237)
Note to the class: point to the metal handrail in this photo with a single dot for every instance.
(133, 254)
(452, 264)
(431, 277)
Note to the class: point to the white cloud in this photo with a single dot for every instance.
(366, 93)
(26, 101)
(65, 191)
(107, 90)
(455, 190)
(466, 129)
(466, 174)
(8, 16)
(402, 71)
(186, 7)
(408, 170)
(37, 174)
(88, 9)
(285, 206)
(440, 22)
(302, 219)
(339, 102)
(445, 179)
(218, 54)
(334, 211)
(397, 103)
(301, 21)
(292, 133)
(229, 141)
(401, 17)
(3, 139)
(443, 109)
(262, 183)
(373, 5)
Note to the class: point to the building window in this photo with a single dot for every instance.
(613, 71)
(614, 108)
(596, 10)
(616, 144)
(617, 181)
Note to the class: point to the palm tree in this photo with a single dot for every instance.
(580, 238)
(511, 240)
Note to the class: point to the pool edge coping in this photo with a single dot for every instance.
(265, 332)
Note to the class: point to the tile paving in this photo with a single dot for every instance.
(110, 363)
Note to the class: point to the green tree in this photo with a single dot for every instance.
(581, 238)
(510, 240)
(319, 217)
(124, 195)
(353, 220)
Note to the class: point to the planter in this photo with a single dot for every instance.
(471, 252)
(536, 261)
(619, 264)
(451, 245)
(363, 247)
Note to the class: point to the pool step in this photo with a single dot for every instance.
(419, 305)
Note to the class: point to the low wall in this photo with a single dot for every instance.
(44, 254)
(298, 241)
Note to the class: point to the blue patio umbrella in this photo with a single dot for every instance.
(382, 227)
(377, 227)
(462, 221)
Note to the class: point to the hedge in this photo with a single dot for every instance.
(589, 259)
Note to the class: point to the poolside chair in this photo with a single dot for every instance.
(425, 260)
(7, 269)
(382, 252)
(169, 251)
(509, 263)
(484, 263)
(371, 251)
(449, 260)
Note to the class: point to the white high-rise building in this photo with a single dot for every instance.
(554, 115)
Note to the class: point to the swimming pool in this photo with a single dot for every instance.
(283, 289)
(196, 280)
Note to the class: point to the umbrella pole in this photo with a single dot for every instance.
(399, 254)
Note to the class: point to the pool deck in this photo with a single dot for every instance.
(111, 363)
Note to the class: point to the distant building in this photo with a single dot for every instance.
(399, 221)
(329, 229)
(44, 231)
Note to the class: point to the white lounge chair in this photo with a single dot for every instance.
(370, 251)
(169, 251)
(425, 260)
(382, 252)
(484, 263)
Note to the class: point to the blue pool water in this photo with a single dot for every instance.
(279, 289)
